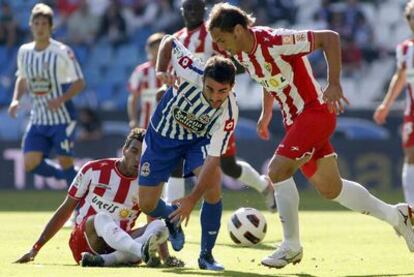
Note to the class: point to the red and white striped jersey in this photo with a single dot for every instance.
(198, 42)
(278, 62)
(405, 60)
(101, 187)
(143, 82)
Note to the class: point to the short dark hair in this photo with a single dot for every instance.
(220, 69)
(225, 17)
(136, 133)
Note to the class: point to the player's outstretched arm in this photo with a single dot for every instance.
(394, 90)
(262, 127)
(163, 61)
(58, 219)
(210, 175)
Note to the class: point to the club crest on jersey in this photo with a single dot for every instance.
(145, 169)
(190, 121)
(229, 125)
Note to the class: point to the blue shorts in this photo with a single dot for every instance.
(44, 138)
(160, 156)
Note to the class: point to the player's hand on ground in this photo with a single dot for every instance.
(335, 99)
(262, 128)
(14, 106)
(182, 213)
(166, 78)
(381, 114)
(28, 257)
(54, 104)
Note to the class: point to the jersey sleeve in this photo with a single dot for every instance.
(80, 184)
(68, 68)
(185, 65)
(399, 57)
(224, 128)
(291, 42)
(134, 82)
(21, 71)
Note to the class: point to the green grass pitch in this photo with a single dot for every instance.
(336, 242)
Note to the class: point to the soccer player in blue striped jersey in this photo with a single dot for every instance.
(48, 70)
(194, 122)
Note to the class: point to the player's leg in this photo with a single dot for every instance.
(357, 198)
(175, 187)
(63, 142)
(102, 231)
(35, 146)
(408, 174)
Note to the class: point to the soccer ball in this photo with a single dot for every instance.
(247, 227)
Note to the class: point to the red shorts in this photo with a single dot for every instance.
(309, 135)
(78, 242)
(407, 132)
(231, 147)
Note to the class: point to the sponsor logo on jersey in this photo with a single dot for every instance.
(287, 39)
(40, 86)
(229, 126)
(190, 121)
(145, 169)
(101, 204)
(277, 82)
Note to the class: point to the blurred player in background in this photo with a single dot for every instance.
(103, 234)
(276, 58)
(193, 123)
(403, 75)
(143, 86)
(194, 37)
(49, 70)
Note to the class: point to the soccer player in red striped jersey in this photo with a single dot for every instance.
(276, 58)
(402, 76)
(143, 85)
(195, 37)
(104, 234)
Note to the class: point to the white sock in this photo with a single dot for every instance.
(408, 183)
(287, 200)
(121, 257)
(114, 236)
(251, 178)
(174, 189)
(357, 198)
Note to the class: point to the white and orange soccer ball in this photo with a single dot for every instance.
(247, 227)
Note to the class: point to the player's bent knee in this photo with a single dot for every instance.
(31, 162)
(329, 191)
(147, 205)
(280, 173)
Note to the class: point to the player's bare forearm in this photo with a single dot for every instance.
(395, 88)
(329, 42)
(58, 219)
(164, 54)
(20, 88)
(267, 105)
(73, 90)
(132, 108)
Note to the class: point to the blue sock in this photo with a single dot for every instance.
(162, 210)
(47, 168)
(210, 225)
(69, 174)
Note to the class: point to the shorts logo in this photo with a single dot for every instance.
(294, 148)
(229, 125)
(145, 169)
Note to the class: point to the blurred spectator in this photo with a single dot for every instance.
(280, 10)
(351, 58)
(67, 7)
(168, 19)
(352, 12)
(90, 126)
(364, 39)
(113, 26)
(83, 26)
(8, 26)
(144, 13)
(98, 7)
(324, 12)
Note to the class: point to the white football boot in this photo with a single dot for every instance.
(404, 227)
(283, 256)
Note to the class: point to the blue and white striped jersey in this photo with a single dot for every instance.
(48, 73)
(185, 114)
